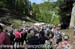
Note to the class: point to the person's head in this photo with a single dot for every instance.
(20, 30)
(66, 37)
(1, 28)
(42, 33)
(32, 32)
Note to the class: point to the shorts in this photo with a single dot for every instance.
(17, 40)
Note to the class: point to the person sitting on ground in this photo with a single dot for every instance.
(65, 44)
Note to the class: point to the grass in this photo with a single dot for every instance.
(72, 38)
(70, 33)
(19, 22)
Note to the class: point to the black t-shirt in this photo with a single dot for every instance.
(42, 39)
(33, 41)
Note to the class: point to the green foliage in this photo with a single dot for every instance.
(46, 12)
(23, 6)
(17, 7)
(17, 22)
(2, 4)
(65, 11)
(56, 20)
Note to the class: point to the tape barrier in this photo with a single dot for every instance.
(25, 46)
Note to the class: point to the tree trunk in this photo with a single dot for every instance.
(72, 21)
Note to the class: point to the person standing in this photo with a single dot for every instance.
(18, 36)
(4, 38)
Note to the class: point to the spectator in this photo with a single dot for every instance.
(42, 37)
(32, 39)
(65, 44)
(18, 36)
(4, 38)
(57, 34)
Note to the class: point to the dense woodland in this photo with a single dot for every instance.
(49, 12)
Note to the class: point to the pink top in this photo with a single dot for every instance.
(18, 34)
(4, 39)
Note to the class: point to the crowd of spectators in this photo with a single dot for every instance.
(49, 36)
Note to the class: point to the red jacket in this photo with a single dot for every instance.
(4, 39)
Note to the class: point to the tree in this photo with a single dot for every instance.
(16, 7)
(72, 21)
(46, 12)
(65, 12)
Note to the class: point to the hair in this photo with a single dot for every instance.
(1, 28)
(31, 30)
(66, 37)
(20, 30)
(42, 33)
